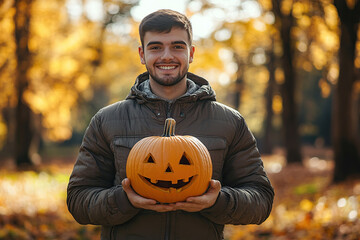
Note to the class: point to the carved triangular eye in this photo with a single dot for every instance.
(184, 160)
(149, 159)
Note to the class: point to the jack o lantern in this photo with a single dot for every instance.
(169, 168)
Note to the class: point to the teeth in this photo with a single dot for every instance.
(185, 179)
(154, 181)
(167, 68)
(174, 181)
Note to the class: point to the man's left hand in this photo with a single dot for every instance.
(196, 204)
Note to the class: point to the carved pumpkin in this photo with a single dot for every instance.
(169, 168)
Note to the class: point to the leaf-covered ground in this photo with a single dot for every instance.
(306, 205)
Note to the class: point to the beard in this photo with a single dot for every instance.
(168, 80)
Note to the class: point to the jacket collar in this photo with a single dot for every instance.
(198, 89)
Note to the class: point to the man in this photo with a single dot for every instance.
(100, 193)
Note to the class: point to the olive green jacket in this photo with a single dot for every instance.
(95, 195)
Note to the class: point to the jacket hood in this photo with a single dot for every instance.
(201, 90)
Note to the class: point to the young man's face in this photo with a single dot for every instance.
(167, 56)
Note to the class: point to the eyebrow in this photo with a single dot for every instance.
(160, 43)
(154, 43)
(179, 42)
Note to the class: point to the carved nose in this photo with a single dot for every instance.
(169, 169)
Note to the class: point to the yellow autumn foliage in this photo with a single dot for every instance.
(73, 58)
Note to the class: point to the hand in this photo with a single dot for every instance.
(196, 204)
(141, 202)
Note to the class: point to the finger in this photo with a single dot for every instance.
(186, 205)
(134, 198)
(209, 198)
(141, 202)
(162, 208)
(215, 184)
(189, 207)
(201, 200)
(126, 185)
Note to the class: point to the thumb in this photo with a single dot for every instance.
(215, 186)
(126, 184)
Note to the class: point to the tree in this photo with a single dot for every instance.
(50, 65)
(7, 83)
(268, 129)
(347, 160)
(251, 90)
(23, 128)
(285, 23)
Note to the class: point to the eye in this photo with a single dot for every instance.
(154, 48)
(179, 47)
(184, 160)
(149, 159)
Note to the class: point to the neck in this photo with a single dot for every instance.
(169, 92)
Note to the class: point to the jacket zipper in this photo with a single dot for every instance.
(167, 214)
(168, 110)
(167, 226)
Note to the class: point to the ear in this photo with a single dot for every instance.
(142, 55)
(192, 51)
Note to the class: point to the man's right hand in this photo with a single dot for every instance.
(140, 202)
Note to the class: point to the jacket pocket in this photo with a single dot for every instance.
(217, 148)
(121, 147)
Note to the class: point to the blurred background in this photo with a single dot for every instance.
(291, 67)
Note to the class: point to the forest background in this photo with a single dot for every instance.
(291, 67)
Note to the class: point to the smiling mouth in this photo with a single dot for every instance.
(167, 67)
(166, 185)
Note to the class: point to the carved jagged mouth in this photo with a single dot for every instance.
(168, 184)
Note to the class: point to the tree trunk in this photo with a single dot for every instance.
(289, 114)
(7, 149)
(346, 154)
(268, 129)
(287, 89)
(23, 113)
(239, 82)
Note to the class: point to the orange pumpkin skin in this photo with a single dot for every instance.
(169, 168)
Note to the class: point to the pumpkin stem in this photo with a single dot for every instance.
(169, 128)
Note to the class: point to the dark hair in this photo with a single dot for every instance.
(163, 21)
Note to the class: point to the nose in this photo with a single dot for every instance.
(167, 55)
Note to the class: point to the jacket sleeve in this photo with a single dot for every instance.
(92, 197)
(246, 196)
